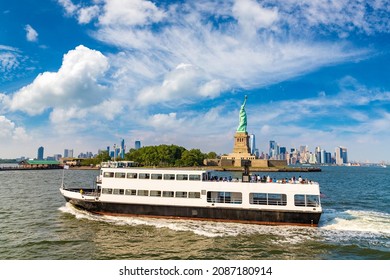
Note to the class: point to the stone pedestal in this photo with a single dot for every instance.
(241, 144)
(241, 150)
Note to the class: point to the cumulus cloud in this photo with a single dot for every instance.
(180, 85)
(75, 84)
(84, 14)
(31, 33)
(252, 16)
(9, 130)
(130, 13)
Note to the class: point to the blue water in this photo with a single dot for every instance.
(36, 223)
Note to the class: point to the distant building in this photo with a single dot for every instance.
(123, 148)
(68, 153)
(341, 155)
(137, 144)
(252, 144)
(57, 157)
(40, 153)
(273, 150)
(282, 153)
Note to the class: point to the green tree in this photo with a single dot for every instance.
(167, 155)
(212, 155)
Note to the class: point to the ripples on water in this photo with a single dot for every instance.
(36, 223)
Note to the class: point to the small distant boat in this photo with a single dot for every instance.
(197, 194)
(383, 165)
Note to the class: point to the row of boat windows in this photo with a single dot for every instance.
(153, 176)
(155, 193)
(224, 197)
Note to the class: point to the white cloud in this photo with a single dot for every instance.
(130, 13)
(251, 15)
(85, 15)
(69, 7)
(9, 60)
(9, 130)
(180, 86)
(31, 33)
(75, 84)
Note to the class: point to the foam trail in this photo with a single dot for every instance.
(357, 220)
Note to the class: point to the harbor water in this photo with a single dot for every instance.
(37, 224)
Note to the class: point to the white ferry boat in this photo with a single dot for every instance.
(121, 189)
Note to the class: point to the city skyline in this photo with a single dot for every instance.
(78, 74)
(295, 155)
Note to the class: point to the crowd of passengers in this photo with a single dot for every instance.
(265, 179)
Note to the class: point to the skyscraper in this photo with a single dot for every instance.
(282, 153)
(273, 149)
(68, 153)
(123, 148)
(137, 145)
(252, 144)
(40, 153)
(341, 155)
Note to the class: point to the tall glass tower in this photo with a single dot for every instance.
(40, 153)
(252, 144)
(273, 149)
(123, 148)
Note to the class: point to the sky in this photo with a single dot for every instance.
(84, 75)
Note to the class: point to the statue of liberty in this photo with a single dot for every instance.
(242, 126)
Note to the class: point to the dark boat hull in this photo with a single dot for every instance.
(270, 217)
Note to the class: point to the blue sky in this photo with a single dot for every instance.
(85, 74)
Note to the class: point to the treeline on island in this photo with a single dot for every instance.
(161, 155)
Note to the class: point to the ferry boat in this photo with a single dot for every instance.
(122, 189)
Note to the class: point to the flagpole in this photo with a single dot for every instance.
(63, 175)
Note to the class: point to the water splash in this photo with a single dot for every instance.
(358, 221)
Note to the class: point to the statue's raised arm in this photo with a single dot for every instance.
(243, 121)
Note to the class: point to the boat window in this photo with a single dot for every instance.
(306, 200)
(258, 198)
(155, 193)
(108, 174)
(130, 192)
(182, 177)
(144, 175)
(131, 175)
(194, 177)
(169, 176)
(277, 199)
(299, 200)
(143, 192)
(268, 199)
(168, 194)
(118, 191)
(224, 197)
(194, 195)
(107, 191)
(120, 175)
(312, 201)
(156, 176)
(181, 194)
